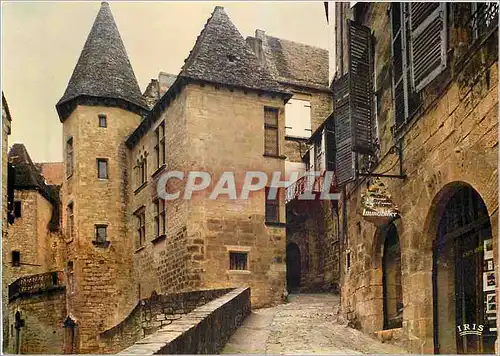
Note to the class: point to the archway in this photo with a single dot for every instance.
(391, 279)
(293, 267)
(464, 297)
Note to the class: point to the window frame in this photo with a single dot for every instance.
(236, 254)
(102, 118)
(271, 127)
(15, 262)
(141, 228)
(96, 234)
(160, 144)
(69, 157)
(70, 219)
(102, 160)
(160, 217)
(272, 203)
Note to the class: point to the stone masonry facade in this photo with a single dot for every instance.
(451, 143)
(97, 218)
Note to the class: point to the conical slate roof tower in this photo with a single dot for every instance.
(103, 70)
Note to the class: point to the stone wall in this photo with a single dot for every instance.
(225, 132)
(104, 292)
(6, 129)
(152, 314)
(205, 330)
(160, 264)
(453, 139)
(43, 316)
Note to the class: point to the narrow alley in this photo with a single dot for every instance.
(308, 324)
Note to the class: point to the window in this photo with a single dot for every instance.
(69, 157)
(271, 142)
(100, 233)
(238, 261)
(298, 118)
(102, 168)
(484, 17)
(102, 120)
(16, 258)
(272, 208)
(141, 227)
(71, 278)
(142, 170)
(318, 153)
(160, 145)
(17, 209)
(71, 222)
(160, 217)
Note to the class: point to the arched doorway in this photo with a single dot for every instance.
(463, 290)
(293, 267)
(391, 279)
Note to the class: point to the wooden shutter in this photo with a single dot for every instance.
(330, 143)
(344, 156)
(427, 41)
(398, 51)
(360, 87)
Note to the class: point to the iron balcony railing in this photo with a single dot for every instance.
(36, 283)
(308, 183)
(483, 20)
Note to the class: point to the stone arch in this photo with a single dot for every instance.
(456, 225)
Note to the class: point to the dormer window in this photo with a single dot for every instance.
(231, 58)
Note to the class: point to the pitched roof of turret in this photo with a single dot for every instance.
(221, 55)
(103, 69)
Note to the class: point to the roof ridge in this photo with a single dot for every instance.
(299, 43)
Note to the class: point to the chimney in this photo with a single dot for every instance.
(255, 44)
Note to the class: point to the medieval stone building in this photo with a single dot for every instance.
(101, 238)
(415, 89)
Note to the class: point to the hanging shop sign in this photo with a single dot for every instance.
(377, 206)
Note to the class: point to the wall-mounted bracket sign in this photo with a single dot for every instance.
(377, 206)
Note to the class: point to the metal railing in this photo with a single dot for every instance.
(483, 20)
(36, 283)
(307, 183)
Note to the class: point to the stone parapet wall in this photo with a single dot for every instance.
(152, 314)
(205, 330)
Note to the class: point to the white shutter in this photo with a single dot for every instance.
(298, 118)
(428, 41)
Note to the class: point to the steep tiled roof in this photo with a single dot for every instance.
(221, 55)
(27, 175)
(103, 69)
(294, 63)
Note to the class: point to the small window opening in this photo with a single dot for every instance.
(17, 209)
(103, 120)
(16, 258)
(238, 261)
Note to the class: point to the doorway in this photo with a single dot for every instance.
(464, 292)
(391, 280)
(293, 267)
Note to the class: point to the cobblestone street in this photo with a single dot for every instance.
(308, 324)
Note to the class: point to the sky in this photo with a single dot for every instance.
(41, 43)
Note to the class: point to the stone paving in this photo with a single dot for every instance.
(308, 324)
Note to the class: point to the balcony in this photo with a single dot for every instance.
(37, 283)
(309, 184)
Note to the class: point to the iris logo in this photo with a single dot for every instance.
(468, 329)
